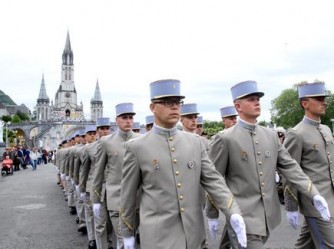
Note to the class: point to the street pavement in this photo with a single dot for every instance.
(34, 215)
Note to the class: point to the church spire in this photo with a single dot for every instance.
(68, 53)
(42, 92)
(97, 94)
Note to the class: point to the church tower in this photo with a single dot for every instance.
(43, 108)
(96, 104)
(65, 107)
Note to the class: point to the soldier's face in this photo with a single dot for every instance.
(90, 136)
(229, 121)
(249, 108)
(189, 122)
(166, 112)
(103, 131)
(125, 122)
(315, 107)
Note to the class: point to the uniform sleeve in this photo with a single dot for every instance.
(77, 163)
(219, 157)
(294, 146)
(296, 178)
(131, 181)
(101, 160)
(84, 170)
(66, 166)
(214, 183)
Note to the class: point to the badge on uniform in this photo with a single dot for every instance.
(190, 164)
(267, 153)
(244, 155)
(316, 147)
(156, 164)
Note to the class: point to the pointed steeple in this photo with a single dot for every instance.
(97, 94)
(68, 53)
(42, 92)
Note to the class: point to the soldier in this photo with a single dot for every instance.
(170, 165)
(279, 178)
(229, 118)
(149, 122)
(189, 116)
(86, 178)
(71, 155)
(311, 144)
(199, 128)
(247, 155)
(78, 160)
(86, 169)
(136, 127)
(109, 161)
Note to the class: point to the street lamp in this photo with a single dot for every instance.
(7, 123)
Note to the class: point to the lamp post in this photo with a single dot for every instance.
(7, 123)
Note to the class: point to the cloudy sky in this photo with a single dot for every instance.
(208, 45)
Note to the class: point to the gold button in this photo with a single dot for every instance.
(261, 173)
(177, 172)
(179, 185)
(173, 149)
(181, 197)
(256, 142)
(254, 133)
(174, 160)
(258, 152)
(182, 209)
(262, 184)
(263, 194)
(330, 161)
(260, 163)
(171, 139)
(328, 153)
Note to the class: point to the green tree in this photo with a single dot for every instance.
(287, 112)
(16, 119)
(212, 127)
(23, 116)
(6, 118)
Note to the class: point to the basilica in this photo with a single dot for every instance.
(65, 107)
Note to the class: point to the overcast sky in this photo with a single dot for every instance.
(208, 45)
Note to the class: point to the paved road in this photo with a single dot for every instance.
(34, 215)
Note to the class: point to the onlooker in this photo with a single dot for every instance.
(34, 158)
(7, 163)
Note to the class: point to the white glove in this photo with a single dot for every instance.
(62, 177)
(293, 218)
(72, 181)
(129, 243)
(82, 195)
(276, 177)
(96, 209)
(321, 205)
(77, 188)
(239, 227)
(68, 178)
(213, 227)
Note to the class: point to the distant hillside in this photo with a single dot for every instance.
(5, 99)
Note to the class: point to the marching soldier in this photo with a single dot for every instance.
(229, 118)
(86, 170)
(170, 166)
(247, 155)
(86, 179)
(149, 122)
(78, 160)
(311, 144)
(109, 161)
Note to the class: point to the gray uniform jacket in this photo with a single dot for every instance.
(71, 155)
(311, 145)
(78, 159)
(109, 161)
(88, 167)
(247, 156)
(170, 166)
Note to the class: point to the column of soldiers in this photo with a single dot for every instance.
(152, 186)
